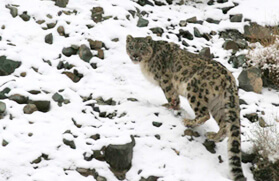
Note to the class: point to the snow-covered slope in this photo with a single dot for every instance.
(159, 151)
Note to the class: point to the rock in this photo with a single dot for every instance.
(61, 31)
(237, 61)
(101, 54)
(132, 99)
(230, 45)
(210, 146)
(49, 38)
(119, 157)
(210, 20)
(242, 44)
(2, 108)
(197, 32)
(250, 80)
(231, 34)
(24, 16)
(157, 30)
(85, 53)
(95, 137)
(29, 108)
(262, 123)
(4, 143)
(109, 102)
(145, 2)
(97, 14)
(210, 2)
(4, 92)
(186, 34)
(75, 77)
(142, 22)
(42, 106)
(226, 9)
(205, 52)
(95, 44)
(157, 124)
(150, 178)
(192, 20)
(247, 157)
(183, 23)
(69, 51)
(255, 32)
(206, 36)
(61, 3)
(252, 117)
(13, 10)
(69, 143)
(236, 18)
(185, 43)
(7, 66)
(20, 99)
(222, 1)
(94, 65)
(58, 98)
(51, 25)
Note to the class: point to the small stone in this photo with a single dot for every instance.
(185, 43)
(157, 124)
(24, 16)
(197, 32)
(250, 80)
(4, 92)
(97, 14)
(222, 1)
(101, 54)
(61, 30)
(49, 38)
(210, 20)
(23, 74)
(242, 102)
(262, 122)
(94, 65)
(40, 22)
(42, 106)
(69, 143)
(247, 157)
(183, 23)
(192, 20)
(236, 18)
(4, 143)
(186, 34)
(61, 3)
(115, 39)
(157, 30)
(2, 108)
(206, 36)
(57, 98)
(95, 44)
(142, 22)
(242, 44)
(132, 99)
(205, 52)
(230, 45)
(226, 9)
(85, 53)
(51, 25)
(69, 51)
(210, 146)
(210, 2)
(20, 99)
(75, 77)
(158, 136)
(13, 10)
(7, 66)
(237, 61)
(252, 117)
(119, 157)
(95, 137)
(29, 108)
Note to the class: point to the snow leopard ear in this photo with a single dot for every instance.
(129, 38)
(149, 39)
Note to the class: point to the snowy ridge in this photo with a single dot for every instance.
(173, 157)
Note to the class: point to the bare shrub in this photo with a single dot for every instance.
(266, 148)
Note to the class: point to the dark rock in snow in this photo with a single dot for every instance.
(119, 157)
(85, 53)
(230, 45)
(142, 22)
(192, 20)
(236, 18)
(157, 30)
(2, 108)
(231, 34)
(29, 108)
(97, 14)
(49, 38)
(61, 3)
(145, 2)
(252, 117)
(237, 61)
(42, 106)
(69, 143)
(75, 77)
(250, 80)
(69, 51)
(210, 20)
(20, 99)
(13, 10)
(197, 33)
(7, 66)
(205, 52)
(24, 16)
(210, 146)
(4, 92)
(157, 124)
(150, 178)
(186, 34)
(95, 44)
(183, 23)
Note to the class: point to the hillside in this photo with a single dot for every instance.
(69, 91)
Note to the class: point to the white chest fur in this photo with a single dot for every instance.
(147, 74)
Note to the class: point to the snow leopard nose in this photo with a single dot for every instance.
(136, 57)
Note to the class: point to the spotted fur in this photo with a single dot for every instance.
(209, 87)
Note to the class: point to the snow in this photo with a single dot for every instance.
(116, 77)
